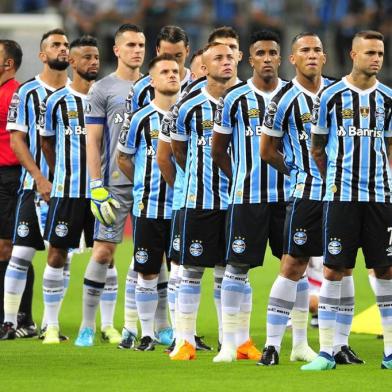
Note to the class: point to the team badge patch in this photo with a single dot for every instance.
(23, 229)
(300, 237)
(128, 100)
(270, 116)
(13, 108)
(334, 246)
(218, 112)
(61, 229)
(238, 245)
(176, 243)
(196, 248)
(364, 110)
(315, 110)
(141, 256)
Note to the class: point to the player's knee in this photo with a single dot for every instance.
(103, 252)
(383, 273)
(333, 272)
(293, 268)
(57, 257)
(237, 269)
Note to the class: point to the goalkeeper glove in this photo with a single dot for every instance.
(102, 203)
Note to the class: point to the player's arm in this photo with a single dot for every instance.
(165, 161)
(319, 141)
(93, 148)
(48, 146)
(124, 162)
(270, 152)
(179, 135)
(219, 152)
(180, 151)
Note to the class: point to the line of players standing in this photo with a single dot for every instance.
(180, 204)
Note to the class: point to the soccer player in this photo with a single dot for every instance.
(205, 190)
(257, 201)
(63, 134)
(152, 195)
(105, 114)
(288, 118)
(10, 61)
(195, 65)
(34, 183)
(351, 145)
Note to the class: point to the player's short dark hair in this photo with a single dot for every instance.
(172, 34)
(369, 34)
(196, 54)
(84, 40)
(264, 35)
(127, 27)
(223, 32)
(303, 34)
(12, 51)
(161, 57)
(49, 33)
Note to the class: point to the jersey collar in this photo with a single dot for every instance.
(263, 93)
(357, 89)
(307, 92)
(209, 96)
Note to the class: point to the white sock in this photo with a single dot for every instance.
(300, 312)
(109, 298)
(177, 318)
(146, 295)
(244, 315)
(171, 295)
(53, 289)
(383, 290)
(130, 310)
(218, 276)
(329, 300)
(94, 282)
(280, 305)
(345, 313)
(161, 315)
(15, 281)
(67, 272)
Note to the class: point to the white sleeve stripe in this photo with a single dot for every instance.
(272, 132)
(224, 130)
(181, 138)
(319, 130)
(163, 137)
(388, 133)
(126, 150)
(46, 132)
(17, 127)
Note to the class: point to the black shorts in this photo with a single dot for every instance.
(27, 229)
(175, 235)
(151, 238)
(203, 238)
(303, 228)
(67, 218)
(248, 229)
(9, 184)
(348, 226)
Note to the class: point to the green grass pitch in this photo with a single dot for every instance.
(27, 365)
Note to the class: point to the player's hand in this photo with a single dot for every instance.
(102, 203)
(44, 187)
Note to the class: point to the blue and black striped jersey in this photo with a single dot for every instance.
(205, 185)
(242, 115)
(142, 93)
(139, 137)
(63, 113)
(23, 115)
(289, 116)
(356, 122)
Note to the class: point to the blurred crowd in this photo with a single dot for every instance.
(334, 20)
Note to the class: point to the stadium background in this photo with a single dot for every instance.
(32, 366)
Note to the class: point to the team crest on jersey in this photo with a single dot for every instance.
(87, 108)
(334, 246)
(13, 108)
(196, 248)
(176, 243)
(141, 256)
(23, 229)
(300, 237)
(61, 229)
(347, 113)
(364, 110)
(218, 111)
(128, 100)
(315, 110)
(270, 116)
(238, 245)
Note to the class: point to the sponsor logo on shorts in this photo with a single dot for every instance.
(334, 246)
(61, 229)
(389, 251)
(23, 229)
(196, 248)
(300, 237)
(176, 244)
(238, 245)
(141, 256)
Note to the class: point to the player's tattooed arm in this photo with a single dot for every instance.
(48, 146)
(318, 152)
(21, 150)
(180, 150)
(165, 162)
(125, 164)
(219, 152)
(270, 152)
